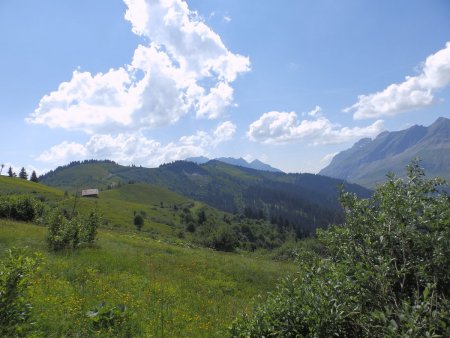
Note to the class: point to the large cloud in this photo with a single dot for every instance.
(413, 93)
(283, 127)
(127, 148)
(184, 68)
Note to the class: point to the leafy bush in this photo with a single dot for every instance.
(224, 239)
(138, 221)
(290, 250)
(16, 269)
(66, 233)
(386, 270)
(61, 232)
(113, 320)
(228, 233)
(20, 207)
(201, 218)
(89, 230)
(190, 227)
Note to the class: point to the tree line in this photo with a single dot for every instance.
(22, 174)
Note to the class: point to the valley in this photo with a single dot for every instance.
(187, 268)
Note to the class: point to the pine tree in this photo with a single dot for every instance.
(2, 166)
(33, 177)
(23, 173)
(10, 172)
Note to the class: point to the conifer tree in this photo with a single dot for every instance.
(33, 177)
(23, 173)
(10, 172)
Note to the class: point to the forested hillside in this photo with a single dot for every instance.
(301, 202)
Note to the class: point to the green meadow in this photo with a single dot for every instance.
(117, 206)
(170, 288)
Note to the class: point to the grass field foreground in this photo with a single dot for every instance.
(169, 291)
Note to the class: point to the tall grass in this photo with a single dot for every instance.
(169, 291)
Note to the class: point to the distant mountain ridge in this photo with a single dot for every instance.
(368, 161)
(255, 164)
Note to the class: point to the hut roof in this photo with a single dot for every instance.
(89, 192)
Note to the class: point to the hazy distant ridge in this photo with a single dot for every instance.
(255, 164)
(368, 161)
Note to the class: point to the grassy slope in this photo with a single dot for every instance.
(117, 206)
(10, 185)
(85, 177)
(172, 291)
(145, 194)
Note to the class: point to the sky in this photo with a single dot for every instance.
(147, 82)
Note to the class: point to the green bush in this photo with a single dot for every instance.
(64, 233)
(16, 269)
(224, 239)
(61, 232)
(89, 230)
(112, 320)
(384, 272)
(138, 221)
(190, 227)
(20, 207)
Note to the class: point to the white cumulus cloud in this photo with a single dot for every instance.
(283, 127)
(136, 148)
(185, 67)
(62, 152)
(224, 132)
(88, 102)
(317, 111)
(413, 93)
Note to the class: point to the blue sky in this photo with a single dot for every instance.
(147, 81)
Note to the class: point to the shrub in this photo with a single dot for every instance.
(224, 239)
(21, 207)
(138, 221)
(61, 232)
(16, 269)
(190, 227)
(89, 230)
(112, 320)
(66, 233)
(385, 271)
(201, 217)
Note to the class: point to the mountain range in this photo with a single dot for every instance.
(255, 164)
(299, 202)
(368, 161)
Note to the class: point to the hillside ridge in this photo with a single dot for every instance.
(301, 202)
(241, 162)
(367, 161)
